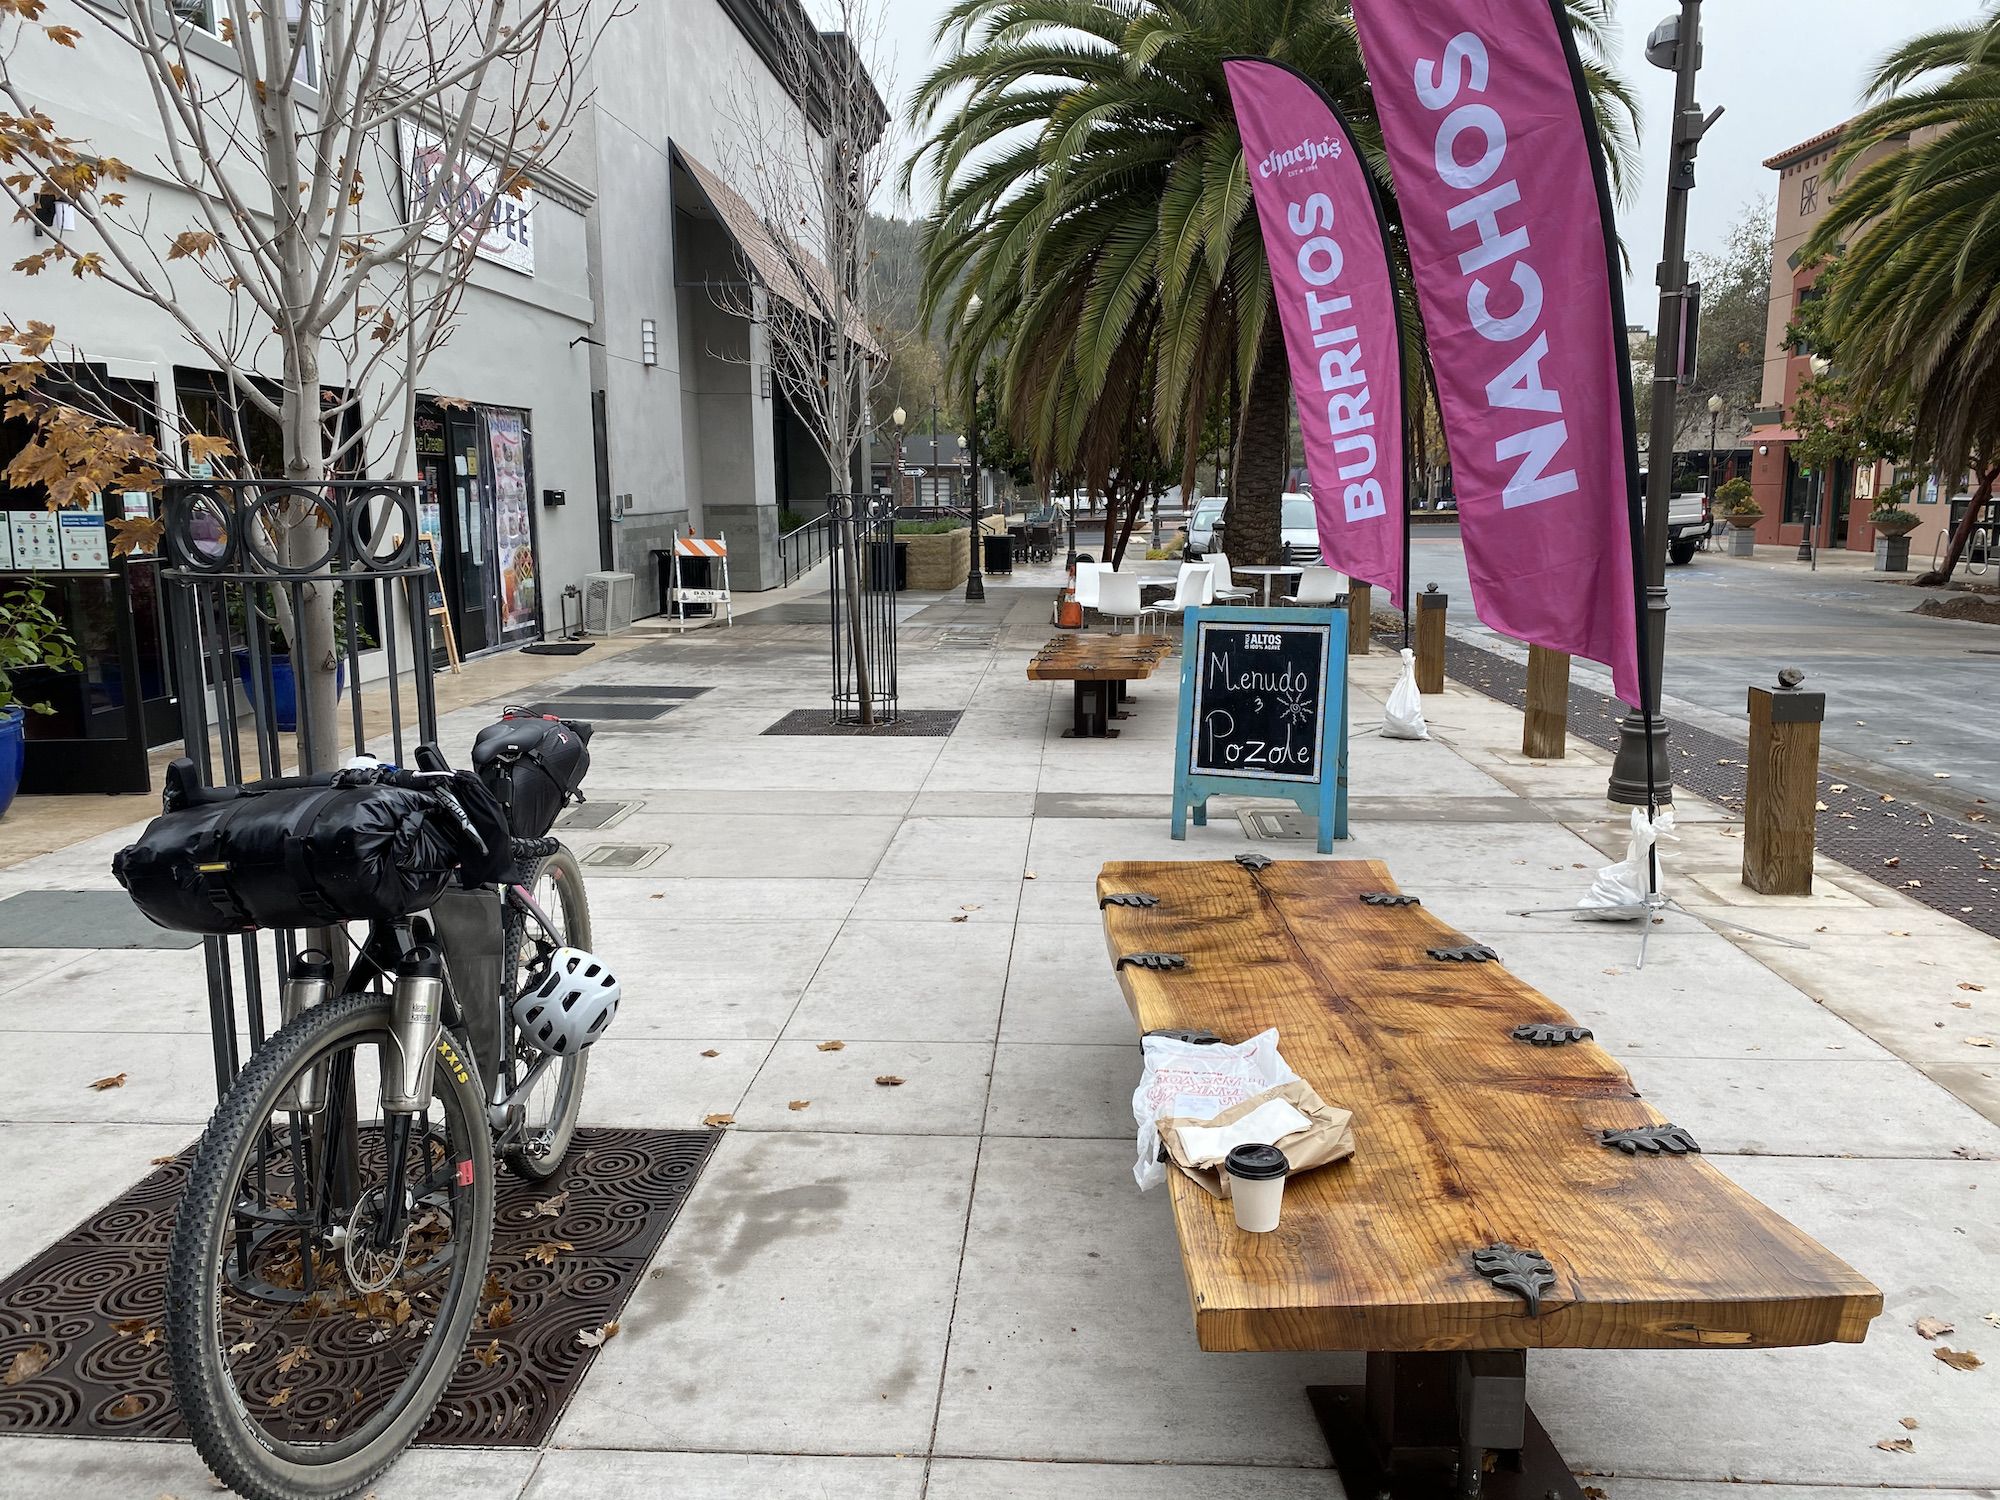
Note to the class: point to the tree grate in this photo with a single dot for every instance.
(909, 724)
(625, 1189)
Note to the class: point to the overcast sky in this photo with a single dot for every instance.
(1784, 70)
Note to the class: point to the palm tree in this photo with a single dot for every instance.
(1915, 309)
(1092, 196)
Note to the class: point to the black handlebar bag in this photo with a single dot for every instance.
(534, 766)
(301, 856)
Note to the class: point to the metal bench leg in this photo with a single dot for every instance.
(1442, 1427)
(1120, 694)
(1089, 719)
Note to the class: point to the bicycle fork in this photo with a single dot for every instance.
(409, 1063)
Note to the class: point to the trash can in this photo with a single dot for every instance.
(998, 553)
(888, 566)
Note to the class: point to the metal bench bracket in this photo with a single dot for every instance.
(1254, 861)
(1388, 898)
(1550, 1034)
(1525, 1271)
(1152, 960)
(1472, 953)
(1653, 1140)
(1128, 898)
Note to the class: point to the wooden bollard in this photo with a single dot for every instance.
(1430, 639)
(1784, 787)
(1360, 606)
(1545, 722)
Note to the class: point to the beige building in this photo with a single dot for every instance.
(1835, 503)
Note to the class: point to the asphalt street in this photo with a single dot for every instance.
(1913, 701)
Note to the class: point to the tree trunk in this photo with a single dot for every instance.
(315, 649)
(1254, 517)
(1962, 534)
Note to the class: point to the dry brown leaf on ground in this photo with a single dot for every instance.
(1893, 860)
(1027, 874)
(501, 1313)
(831, 1046)
(492, 1291)
(125, 1408)
(27, 1364)
(889, 1081)
(488, 1354)
(291, 1359)
(1958, 1359)
(1967, 984)
(1909, 1422)
(713, 1121)
(1979, 1041)
(1931, 1328)
(284, 1395)
(961, 917)
(548, 1250)
(799, 1104)
(711, 1052)
(165, 1161)
(126, 1327)
(1896, 1445)
(550, 1208)
(111, 1081)
(593, 1338)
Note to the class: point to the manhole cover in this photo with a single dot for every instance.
(594, 814)
(620, 1190)
(911, 723)
(622, 856)
(1275, 823)
(983, 636)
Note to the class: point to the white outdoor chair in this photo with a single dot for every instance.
(1118, 599)
(1319, 586)
(1221, 585)
(1194, 586)
(1087, 575)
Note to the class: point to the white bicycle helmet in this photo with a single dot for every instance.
(571, 1006)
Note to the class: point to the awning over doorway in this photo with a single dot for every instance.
(785, 267)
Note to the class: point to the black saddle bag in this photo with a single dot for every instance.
(534, 766)
(291, 856)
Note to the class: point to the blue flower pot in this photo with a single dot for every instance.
(13, 754)
(284, 687)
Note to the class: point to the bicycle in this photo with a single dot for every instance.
(330, 1255)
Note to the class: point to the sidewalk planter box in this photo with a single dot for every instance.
(1892, 554)
(938, 560)
(13, 754)
(1742, 542)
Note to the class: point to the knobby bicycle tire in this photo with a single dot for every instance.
(240, 1453)
(538, 1166)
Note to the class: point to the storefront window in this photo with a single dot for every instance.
(1798, 492)
(513, 522)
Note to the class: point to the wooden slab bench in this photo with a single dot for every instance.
(1101, 667)
(1466, 1138)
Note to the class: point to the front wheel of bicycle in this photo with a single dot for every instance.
(308, 1343)
(549, 1115)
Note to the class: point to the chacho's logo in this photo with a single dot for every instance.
(1304, 157)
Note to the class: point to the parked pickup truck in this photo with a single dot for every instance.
(1687, 524)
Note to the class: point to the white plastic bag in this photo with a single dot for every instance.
(1403, 715)
(1193, 1080)
(1618, 894)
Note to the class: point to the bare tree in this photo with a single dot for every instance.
(810, 167)
(329, 183)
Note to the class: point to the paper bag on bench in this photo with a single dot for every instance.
(1291, 1117)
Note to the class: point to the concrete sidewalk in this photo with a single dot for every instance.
(951, 1288)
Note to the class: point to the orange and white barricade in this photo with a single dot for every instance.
(716, 551)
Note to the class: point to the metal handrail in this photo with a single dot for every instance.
(803, 548)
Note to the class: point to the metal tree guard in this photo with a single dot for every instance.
(864, 608)
(230, 576)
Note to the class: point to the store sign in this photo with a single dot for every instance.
(470, 208)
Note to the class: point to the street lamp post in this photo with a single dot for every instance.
(1714, 417)
(899, 417)
(968, 455)
(1640, 775)
(1809, 537)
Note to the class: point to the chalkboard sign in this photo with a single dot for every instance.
(1263, 713)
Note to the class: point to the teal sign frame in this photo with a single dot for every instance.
(1258, 766)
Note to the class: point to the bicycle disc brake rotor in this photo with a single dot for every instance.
(370, 1268)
